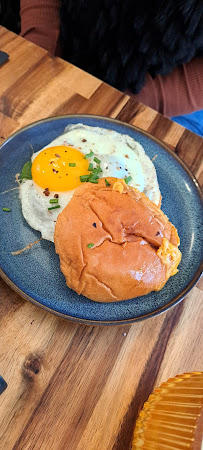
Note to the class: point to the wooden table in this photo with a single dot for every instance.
(74, 386)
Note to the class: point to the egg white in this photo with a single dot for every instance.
(120, 156)
(35, 208)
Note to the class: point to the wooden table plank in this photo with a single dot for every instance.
(190, 336)
(72, 386)
(7, 125)
(114, 354)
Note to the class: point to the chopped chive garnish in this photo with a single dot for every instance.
(90, 168)
(107, 183)
(84, 178)
(90, 245)
(6, 209)
(53, 200)
(54, 207)
(97, 170)
(127, 179)
(97, 160)
(72, 164)
(93, 181)
(89, 155)
(94, 176)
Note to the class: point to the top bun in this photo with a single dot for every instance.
(114, 243)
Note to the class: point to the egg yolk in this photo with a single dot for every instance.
(59, 168)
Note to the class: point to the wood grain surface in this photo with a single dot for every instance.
(72, 386)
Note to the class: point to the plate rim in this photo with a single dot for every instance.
(160, 310)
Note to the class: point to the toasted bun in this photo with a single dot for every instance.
(134, 247)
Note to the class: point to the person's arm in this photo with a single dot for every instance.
(180, 92)
(40, 23)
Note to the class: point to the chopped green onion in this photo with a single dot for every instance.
(127, 179)
(6, 209)
(90, 168)
(97, 170)
(90, 245)
(89, 155)
(107, 183)
(94, 176)
(53, 200)
(54, 207)
(93, 181)
(72, 164)
(84, 178)
(97, 160)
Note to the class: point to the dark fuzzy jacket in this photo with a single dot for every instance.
(120, 41)
(10, 14)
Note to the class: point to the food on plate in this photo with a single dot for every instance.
(114, 243)
(82, 154)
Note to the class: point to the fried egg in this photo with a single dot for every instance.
(58, 167)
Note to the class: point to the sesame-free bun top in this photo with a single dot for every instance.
(114, 243)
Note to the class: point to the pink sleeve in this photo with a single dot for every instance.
(180, 92)
(40, 23)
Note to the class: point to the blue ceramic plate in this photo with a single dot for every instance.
(35, 274)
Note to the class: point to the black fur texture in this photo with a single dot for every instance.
(10, 15)
(120, 41)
